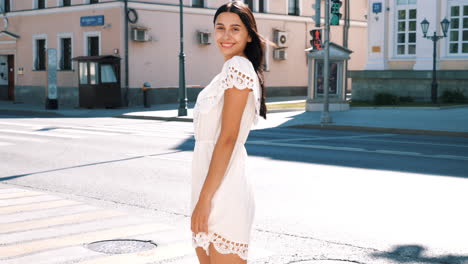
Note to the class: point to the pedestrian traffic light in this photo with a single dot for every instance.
(335, 12)
(316, 41)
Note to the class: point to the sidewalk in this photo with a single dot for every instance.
(448, 121)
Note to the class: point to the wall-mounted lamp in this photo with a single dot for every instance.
(20, 70)
(106, 26)
(116, 51)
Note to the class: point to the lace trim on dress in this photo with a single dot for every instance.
(221, 244)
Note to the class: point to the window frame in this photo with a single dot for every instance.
(203, 2)
(4, 4)
(60, 3)
(460, 30)
(298, 8)
(61, 36)
(36, 37)
(407, 7)
(87, 34)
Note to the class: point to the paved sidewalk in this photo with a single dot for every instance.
(449, 121)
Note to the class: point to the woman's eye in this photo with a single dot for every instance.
(219, 28)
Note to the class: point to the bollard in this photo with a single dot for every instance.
(146, 100)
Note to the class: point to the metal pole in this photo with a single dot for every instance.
(126, 52)
(182, 87)
(345, 44)
(434, 76)
(326, 117)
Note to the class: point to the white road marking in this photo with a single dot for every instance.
(390, 152)
(46, 134)
(89, 132)
(22, 138)
(5, 143)
(417, 143)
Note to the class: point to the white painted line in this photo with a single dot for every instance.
(418, 143)
(88, 132)
(62, 255)
(22, 138)
(5, 144)
(45, 134)
(306, 146)
(19, 124)
(408, 153)
(390, 152)
(28, 199)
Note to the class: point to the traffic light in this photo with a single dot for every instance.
(316, 41)
(335, 12)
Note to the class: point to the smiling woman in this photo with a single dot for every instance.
(222, 200)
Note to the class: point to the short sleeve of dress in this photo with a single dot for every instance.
(238, 72)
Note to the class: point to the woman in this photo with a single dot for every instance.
(222, 199)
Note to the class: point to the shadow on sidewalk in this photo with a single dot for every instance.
(414, 253)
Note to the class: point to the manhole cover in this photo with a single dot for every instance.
(121, 246)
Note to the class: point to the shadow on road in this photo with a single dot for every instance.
(414, 253)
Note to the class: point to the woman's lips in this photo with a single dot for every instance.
(227, 45)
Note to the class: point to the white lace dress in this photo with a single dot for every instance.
(233, 205)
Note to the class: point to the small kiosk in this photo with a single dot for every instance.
(336, 91)
(99, 81)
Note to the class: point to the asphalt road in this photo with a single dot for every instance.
(337, 194)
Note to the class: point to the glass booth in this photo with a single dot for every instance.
(99, 81)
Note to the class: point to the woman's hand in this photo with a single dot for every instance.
(200, 216)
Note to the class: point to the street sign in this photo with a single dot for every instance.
(377, 8)
(89, 21)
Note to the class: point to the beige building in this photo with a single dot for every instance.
(400, 58)
(97, 27)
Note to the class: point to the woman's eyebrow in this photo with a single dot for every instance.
(233, 25)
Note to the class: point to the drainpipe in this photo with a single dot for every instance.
(126, 51)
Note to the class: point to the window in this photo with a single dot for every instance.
(108, 74)
(93, 1)
(5, 5)
(198, 3)
(250, 4)
(406, 27)
(66, 3)
(93, 46)
(262, 6)
(458, 31)
(83, 73)
(93, 73)
(41, 4)
(65, 53)
(293, 7)
(40, 56)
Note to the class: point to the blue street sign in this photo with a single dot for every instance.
(376, 8)
(88, 21)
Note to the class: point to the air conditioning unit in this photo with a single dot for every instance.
(280, 54)
(140, 34)
(281, 39)
(204, 37)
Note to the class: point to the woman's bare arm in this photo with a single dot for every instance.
(234, 104)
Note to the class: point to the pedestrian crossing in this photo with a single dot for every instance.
(18, 132)
(37, 227)
(42, 228)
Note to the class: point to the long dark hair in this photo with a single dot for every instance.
(254, 50)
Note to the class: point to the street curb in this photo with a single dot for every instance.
(33, 112)
(383, 130)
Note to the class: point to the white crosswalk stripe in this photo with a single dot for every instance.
(13, 133)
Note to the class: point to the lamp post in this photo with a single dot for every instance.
(182, 87)
(425, 26)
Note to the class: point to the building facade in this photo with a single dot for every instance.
(97, 27)
(400, 59)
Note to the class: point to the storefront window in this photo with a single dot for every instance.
(83, 73)
(108, 74)
(93, 73)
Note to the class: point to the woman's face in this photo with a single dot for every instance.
(231, 35)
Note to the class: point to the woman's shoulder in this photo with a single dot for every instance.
(239, 63)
